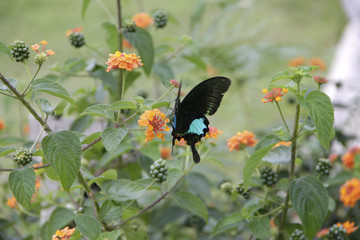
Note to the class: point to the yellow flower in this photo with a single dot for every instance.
(296, 61)
(155, 121)
(124, 61)
(213, 132)
(63, 234)
(350, 192)
(142, 20)
(241, 140)
(11, 202)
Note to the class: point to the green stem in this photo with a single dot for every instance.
(106, 10)
(282, 116)
(121, 79)
(36, 140)
(127, 206)
(27, 69)
(271, 212)
(265, 198)
(161, 98)
(27, 87)
(8, 95)
(292, 164)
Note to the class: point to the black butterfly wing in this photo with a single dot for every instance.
(205, 98)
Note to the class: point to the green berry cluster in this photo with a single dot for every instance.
(227, 187)
(159, 170)
(241, 190)
(268, 176)
(336, 233)
(323, 167)
(129, 26)
(23, 156)
(160, 19)
(298, 235)
(196, 222)
(77, 39)
(19, 51)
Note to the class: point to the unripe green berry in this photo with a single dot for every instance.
(298, 235)
(160, 19)
(159, 170)
(227, 187)
(129, 26)
(268, 177)
(196, 222)
(241, 190)
(23, 156)
(19, 51)
(77, 39)
(324, 166)
(336, 233)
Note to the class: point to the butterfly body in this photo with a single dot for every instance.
(189, 120)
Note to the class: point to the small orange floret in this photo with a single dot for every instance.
(348, 158)
(350, 192)
(296, 61)
(213, 133)
(181, 143)
(11, 202)
(70, 31)
(274, 95)
(2, 124)
(349, 226)
(35, 47)
(63, 234)
(241, 140)
(142, 20)
(43, 42)
(282, 143)
(316, 61)
(165, 153)
(50, 52)
(124, 61)
(156, 122)
(322, 233)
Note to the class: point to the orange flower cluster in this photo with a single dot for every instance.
(349, 226)
(348, 158)
(63, 234)
(315, 61)
(156, 122)
(241, 140)
(282, 143)
(350, 192)
(165, 153)
(124, 61)
(127, 44)
(213, 133)
(74, 30)
(274, 95)
(11, 202)
(181, 143)
(142, 20)
(41, 57)
(2, 124)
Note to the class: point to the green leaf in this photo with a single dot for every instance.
(113, 235)
(310, 201)
(164, 72)
(63, 150)
(134, 232)
(60, 107)
(89, 139)
(322, 113)
(227, 223)
(110, 174)
(123, 190)
(260, 228)
(192, 203)
(52, 88)
(112, 137)
(142, 41)
(111, 36)
(44, 104)
(59, 219)
(84, 7)
(88, 226)
(12, 81)
(160, 105)
(5, 50)
(50, 171)
(6, 150)
(214, 160)
(130, 78)
(197, 61)
(281, 75)
(122, 104)
(110, 211)
(278, 155)
(99, 110)
(22, 185)
(173, 176)
(253, 162)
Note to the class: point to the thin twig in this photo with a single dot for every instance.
(12, 169)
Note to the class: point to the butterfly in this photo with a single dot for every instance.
(189, 120)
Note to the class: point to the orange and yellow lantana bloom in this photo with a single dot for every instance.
(213, 133)
(274, 95)
(348, 158)
(63, 234)
(124, 61)
(241, 140)
(350, 192)
(155, 121)
(142, 20)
